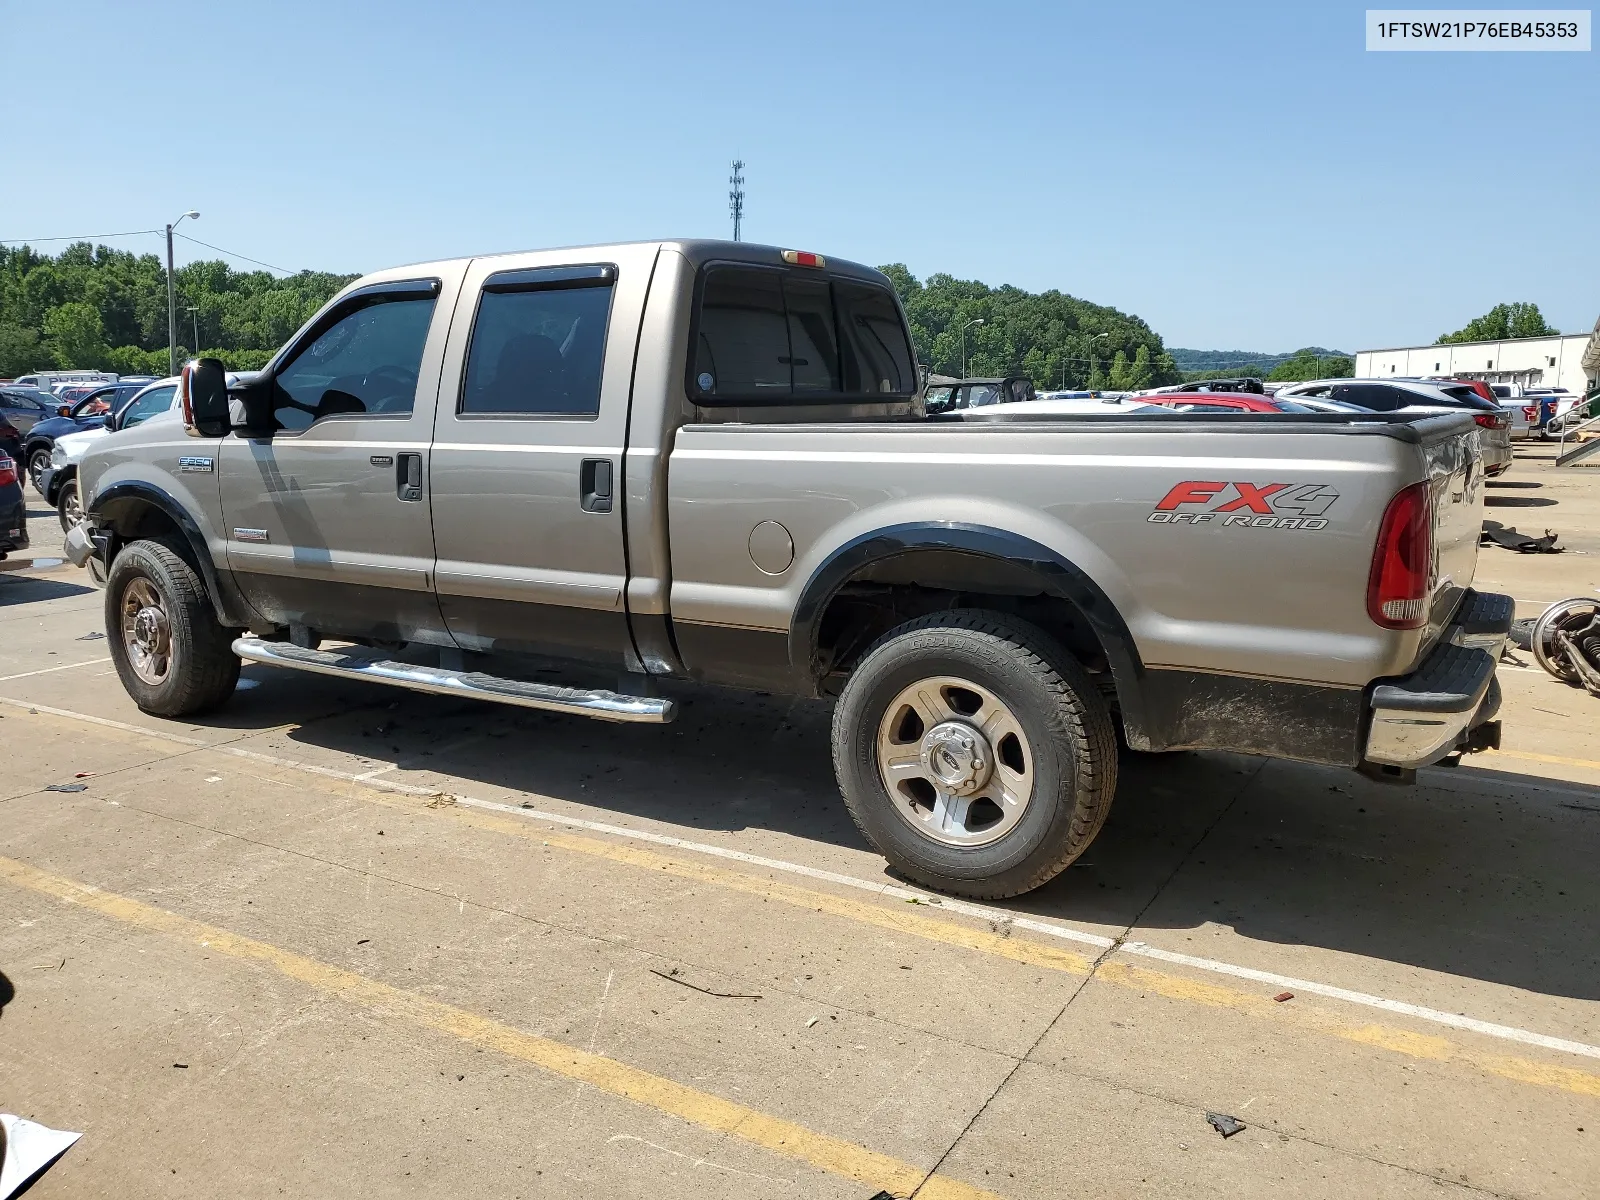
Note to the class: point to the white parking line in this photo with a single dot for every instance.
(987, 912)
(88, 662)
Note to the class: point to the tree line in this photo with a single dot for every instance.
(92, 307)
(1056, 340)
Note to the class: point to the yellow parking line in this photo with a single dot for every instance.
(1529, 756)
(788, 1138)
(919, 922)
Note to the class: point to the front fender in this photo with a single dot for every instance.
(119, 509)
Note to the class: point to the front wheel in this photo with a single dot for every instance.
(974, 753)
(69, 510)
(173, 656)
(38, 463)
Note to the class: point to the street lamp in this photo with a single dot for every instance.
(1090, 375)
(964, 328)
(172, 300)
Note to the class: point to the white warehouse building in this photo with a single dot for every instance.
(1570, 361)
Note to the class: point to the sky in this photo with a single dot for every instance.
(1242, 176)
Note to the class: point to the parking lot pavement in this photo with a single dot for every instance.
(346, 940)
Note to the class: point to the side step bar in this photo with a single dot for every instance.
(607, 706)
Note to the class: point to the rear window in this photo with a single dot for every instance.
(768, 336)
(1374, 397)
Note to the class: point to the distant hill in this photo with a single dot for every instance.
(1225, 362)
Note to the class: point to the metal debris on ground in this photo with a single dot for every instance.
(1565, 641)
(67, 787)
(675, 978)
(1524, 543)
(1224, 1124)
(27, 1150)
(93, 637)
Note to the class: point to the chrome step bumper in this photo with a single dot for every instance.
(1424, 716)
(355, 664)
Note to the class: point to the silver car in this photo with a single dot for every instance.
(1420, 399)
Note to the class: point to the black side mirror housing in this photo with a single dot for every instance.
(203, 397)
(250, 407)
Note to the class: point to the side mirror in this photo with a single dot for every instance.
(64, 410)
(203, 398)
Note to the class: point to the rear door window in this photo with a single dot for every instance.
(766, 335)
(539, 344)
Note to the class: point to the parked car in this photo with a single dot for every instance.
(1211, 402)
(89, 412)
(13, 509)
(10, 440)
(1088, 405)
(1408, 398)
(987, 605)
(1246, 385)
(58, 483)
(25, 407)
(978, 393)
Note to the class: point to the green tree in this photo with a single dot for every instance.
(20, 352)
(1052, 338)
(1119, 373)
(76, 337)
(1517, 320)
(1307, 364)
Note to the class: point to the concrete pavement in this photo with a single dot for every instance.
(343, 940)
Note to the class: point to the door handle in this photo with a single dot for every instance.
(594, 485)
(408, 476)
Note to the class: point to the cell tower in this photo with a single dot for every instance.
(736, 196)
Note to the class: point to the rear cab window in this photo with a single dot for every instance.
(770, 335)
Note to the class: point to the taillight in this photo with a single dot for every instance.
(804, 258)
(8, 470)
(1491, 420)
(1531, 412)
(1397, 588)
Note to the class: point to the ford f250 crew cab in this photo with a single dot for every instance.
(709, 460)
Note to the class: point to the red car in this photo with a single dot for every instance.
(1203, 402)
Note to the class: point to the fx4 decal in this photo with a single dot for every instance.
(1252, 505)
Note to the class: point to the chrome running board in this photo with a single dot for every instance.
(355, 664)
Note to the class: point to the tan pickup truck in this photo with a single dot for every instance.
(710, 460)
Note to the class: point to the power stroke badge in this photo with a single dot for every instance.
(1252, 505)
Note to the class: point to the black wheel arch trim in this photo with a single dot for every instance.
(109, 502)
(1057, 575)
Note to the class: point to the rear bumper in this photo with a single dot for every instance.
(1419, 718)
(13, 527)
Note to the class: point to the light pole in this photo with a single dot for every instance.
(1090, 375)
(964, 328)
(172, 300)
(195, 314)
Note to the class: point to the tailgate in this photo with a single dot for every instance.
(1454, 467)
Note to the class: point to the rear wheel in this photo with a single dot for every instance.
(173, 656)
(974, 753)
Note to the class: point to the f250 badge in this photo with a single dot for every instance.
(1254, 505)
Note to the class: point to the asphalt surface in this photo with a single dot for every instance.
(344, 940)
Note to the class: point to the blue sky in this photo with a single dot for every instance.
(1243, 176)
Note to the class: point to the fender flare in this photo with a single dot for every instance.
(1057, 576)
(111, 502)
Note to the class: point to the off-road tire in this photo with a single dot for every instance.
(1068, 725)
(203, 670)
